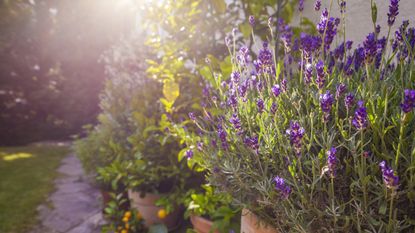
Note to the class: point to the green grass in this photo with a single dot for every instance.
(26, 179)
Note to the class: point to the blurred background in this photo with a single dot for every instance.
(50, 74)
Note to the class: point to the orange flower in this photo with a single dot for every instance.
(162, 213)
(127, 214)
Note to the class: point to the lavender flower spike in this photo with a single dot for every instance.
(349, 100)
(296, 133)
(360, 117)
(332, 161)
(409, 101)
(326, 101)
(393, 11)
(301, 5)
(189, 154)
(390, 180)
(260, 105)
(192, 116)
(276, 90)
(320, 74)
(251, 20)
(282, 187)
(317, 5)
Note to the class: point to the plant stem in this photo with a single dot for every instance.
(390, 227)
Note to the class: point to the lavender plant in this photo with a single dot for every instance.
(320, 140)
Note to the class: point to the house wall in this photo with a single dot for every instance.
(358, 16)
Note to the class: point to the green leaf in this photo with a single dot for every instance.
(382, 208)
(171, 90)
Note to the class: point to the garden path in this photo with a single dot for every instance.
(74, 207)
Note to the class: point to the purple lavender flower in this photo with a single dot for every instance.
(326, 101)
(340, 89)
(252, 142)
(189, 154)
(284, 85)
(332, 161)
(377, 29)
(276, 90)
(235, 77)
(243, 57)
(349, 100)
(308, 73)
(243, 88)
(264, 63)
(235, 121)
(343, 6)
(232, 101)
(317, 5)
(200, 146)
(393, 11)
(390, 180)
(370, 47)
(360, 117)
(283, 188)
(286, 35)
(192, 116)
(260, 105)
(409, 101)
(222, 136)
(327, 27)
(359, 57)
(320, 74)
(296, 133)
(309, 44)
(273, 108)
(251, 20)
(301, 5)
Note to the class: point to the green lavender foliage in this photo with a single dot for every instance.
(354, 198)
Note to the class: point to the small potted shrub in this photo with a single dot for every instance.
(318, 137)
(210, 211)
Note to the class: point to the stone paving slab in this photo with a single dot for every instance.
(75, 206)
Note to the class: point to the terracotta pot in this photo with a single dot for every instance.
(251, 224)
(202, 225)
(148, 210)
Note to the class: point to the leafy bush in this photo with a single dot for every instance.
(327, 145)
(214, 206)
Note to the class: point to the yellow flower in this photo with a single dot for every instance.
(127, 226)
(162, 213)
(125, 219)
(124, 231)
(127, 214)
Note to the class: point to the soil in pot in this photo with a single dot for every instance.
(202, 225)
(250, 223)
(149, 211)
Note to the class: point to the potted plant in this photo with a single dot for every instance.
(325, 146)
(210, 211)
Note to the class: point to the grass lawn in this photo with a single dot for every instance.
(26, 178)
